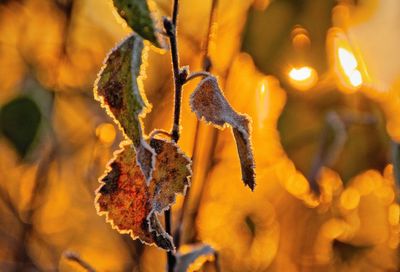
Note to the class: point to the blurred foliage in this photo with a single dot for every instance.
(19, 123)
(315, 134)
(50, 54)
(271, 47)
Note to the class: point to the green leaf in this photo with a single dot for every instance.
(130, 205)
(117, 88)
(138, 16)
(19, 123)
(209, 103)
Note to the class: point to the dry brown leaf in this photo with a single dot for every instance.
(171, 175)
(130, 205)
(209, 103)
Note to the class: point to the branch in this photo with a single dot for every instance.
(207, 64)
(170, 27)
(328, 152)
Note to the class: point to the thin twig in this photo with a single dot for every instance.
(74, 257)
(175, 12)
(207, 64)
(328, 153)
(170, 27)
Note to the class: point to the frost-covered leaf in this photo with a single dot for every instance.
(171, 175)
(245, 152)
(138, 16)
(193, 257)
(209, 103)
(124, 198)
(117, 88)
(130, 205)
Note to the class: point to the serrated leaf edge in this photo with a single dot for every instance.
(162, 44)
(140, 90)
(152, 211)
(106, 213)
(188, 167)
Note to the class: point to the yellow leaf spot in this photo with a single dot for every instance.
(350, 199)
(385, 193)
(394, 214)
(393, 242)
(297, 185)
(365, 185)
(303, 78)
(106, 133)
(333, 228)
(263, 102)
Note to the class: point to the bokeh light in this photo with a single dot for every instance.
(303, 78)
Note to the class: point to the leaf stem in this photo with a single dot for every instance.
(197, 74)
(159, 131)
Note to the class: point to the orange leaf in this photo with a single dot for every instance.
(130, 205)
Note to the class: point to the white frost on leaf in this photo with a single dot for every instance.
(209, 104)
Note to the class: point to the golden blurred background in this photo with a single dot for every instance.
(319, 79)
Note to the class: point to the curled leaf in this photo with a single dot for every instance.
(209, 103)
(130, 205)
(193, 257)
(138, 16)
(117, 88)
(246, 157)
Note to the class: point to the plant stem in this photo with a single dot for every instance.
(170, 28)
(206, 66)
(170, 256)
(175, 9)
(328, 152)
